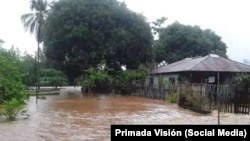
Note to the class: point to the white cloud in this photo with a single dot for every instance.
(11, 28)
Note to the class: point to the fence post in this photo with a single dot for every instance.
(218, 92)
(218, 115)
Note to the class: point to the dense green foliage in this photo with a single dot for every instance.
(102, 79)
(12, 90)
(52, 77)
(10, 78)
(24, 62)
(178, 41)
(242, 81)
(27, 69)
(172, 97)
(11, 108)
(85, 32)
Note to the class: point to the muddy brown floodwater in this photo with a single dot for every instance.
(71, 117)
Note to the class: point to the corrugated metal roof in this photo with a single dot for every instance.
(210, 62)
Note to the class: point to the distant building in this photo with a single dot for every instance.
(208, 69)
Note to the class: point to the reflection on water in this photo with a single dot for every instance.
(71, 116)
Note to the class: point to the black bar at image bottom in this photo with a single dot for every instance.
(183, 132)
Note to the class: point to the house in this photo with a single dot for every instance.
(207, 69)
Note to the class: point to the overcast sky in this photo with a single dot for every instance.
(228, 18)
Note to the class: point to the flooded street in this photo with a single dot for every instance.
(70, 117)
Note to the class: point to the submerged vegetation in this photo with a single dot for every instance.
(11, 108)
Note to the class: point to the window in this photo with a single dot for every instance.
(151, 81)
(172, 80)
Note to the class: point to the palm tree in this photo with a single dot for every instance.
(33, 23)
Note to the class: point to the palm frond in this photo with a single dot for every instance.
(33, 21)
(26, 16)
(32, 26)
(29, 22)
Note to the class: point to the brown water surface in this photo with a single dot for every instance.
(71, 117)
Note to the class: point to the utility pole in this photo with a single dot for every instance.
(36, 78)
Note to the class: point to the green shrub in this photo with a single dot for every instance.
(53, 77)
(172, 98)
(1, 110)
(194, 101)
(12, 89)
(11, 108)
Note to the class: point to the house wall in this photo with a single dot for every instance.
(155, 80)
(206, 77)
(169, 78)
(192, 77)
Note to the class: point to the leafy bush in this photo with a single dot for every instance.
(12, 90)
(11, 108)
(172, 98)
(242, 82)
(194, 101)
(104, 79)
(1, 109)
(52, 77)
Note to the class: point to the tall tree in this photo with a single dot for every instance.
(33, 23)
(178, 41)
(86, 32)
(157, 25)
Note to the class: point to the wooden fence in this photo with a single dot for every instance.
(204, 97)
(155, 92)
